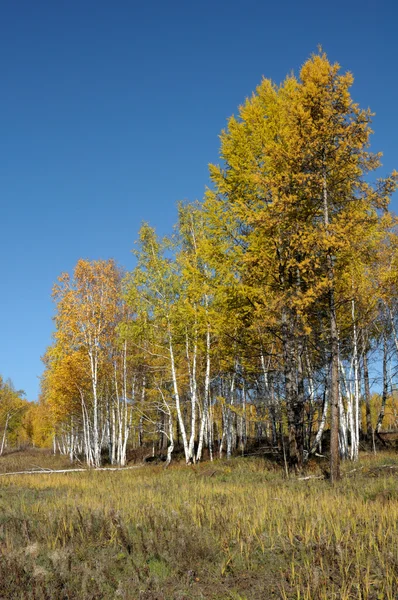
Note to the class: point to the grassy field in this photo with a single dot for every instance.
(235, 530)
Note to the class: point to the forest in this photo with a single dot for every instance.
(239, 382)
(268, 317)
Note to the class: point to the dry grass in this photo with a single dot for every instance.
(34, 458)
(234, 530)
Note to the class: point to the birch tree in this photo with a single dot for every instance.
(88, 311)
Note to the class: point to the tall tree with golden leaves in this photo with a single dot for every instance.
(293, 209)
(88, 312)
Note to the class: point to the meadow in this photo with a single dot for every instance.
(235, 530)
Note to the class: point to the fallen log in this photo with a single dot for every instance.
(51, 471)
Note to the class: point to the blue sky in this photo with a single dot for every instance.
(111, 111)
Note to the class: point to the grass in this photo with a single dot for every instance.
(235, 530)
(32, 459)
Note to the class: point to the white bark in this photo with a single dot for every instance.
(349, 421)
(343, 441)
(229, 417)
(205, 412)
(193, 390)
(356, 386)
(50, 471)
(3, 441)
(177, 401)
(321, 427)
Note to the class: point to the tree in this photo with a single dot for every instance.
(12, 409)
(88, 312)
(292, 209)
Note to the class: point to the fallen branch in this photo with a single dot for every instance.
(310, 477)
(38, 467)
(353, 470)
(50, 471)
(374, 470)
(273, 450)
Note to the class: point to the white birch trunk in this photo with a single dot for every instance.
(205, 412)
(177, 401)
(193, 386)
(356, 386)
(94, 382)
(170, 446)
(349, 423)
(322, 424)
(229, 419)
(3, 441)
(343, 441)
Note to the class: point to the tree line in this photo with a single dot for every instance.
(261, 316)
(22, 423)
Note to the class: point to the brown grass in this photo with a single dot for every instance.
(234, 530)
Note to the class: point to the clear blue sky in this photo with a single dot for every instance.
(110, 113)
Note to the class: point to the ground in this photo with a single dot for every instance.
(224, 530)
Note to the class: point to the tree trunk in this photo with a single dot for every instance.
(334, 343)
(177, 401)
(334, 393)
(291, 396)
(385, 389)
(170, 447)
(3, 441)
(356, 385)
(205, 412)
(369, 431)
